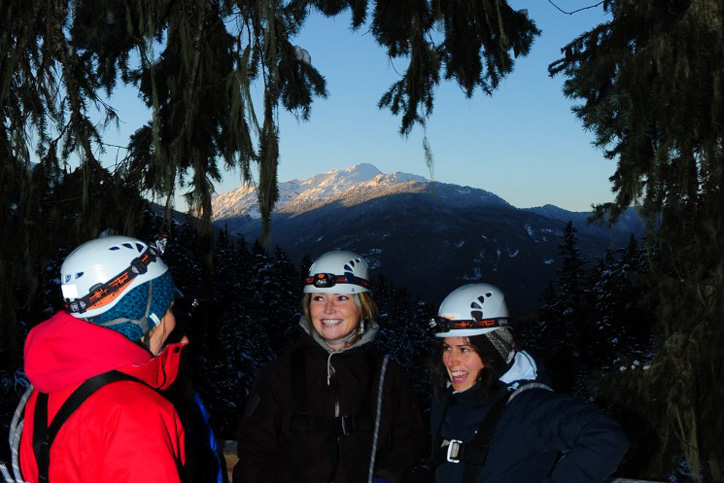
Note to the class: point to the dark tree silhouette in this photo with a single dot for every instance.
(651, 80)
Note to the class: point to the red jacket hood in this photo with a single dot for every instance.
(65, 351)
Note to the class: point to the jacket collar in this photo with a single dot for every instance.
(160, 371)
(368, 336)
(65, 351)
(524, 368)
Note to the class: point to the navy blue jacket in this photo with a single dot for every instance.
(538, 429)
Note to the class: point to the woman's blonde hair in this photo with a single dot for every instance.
(368, 309)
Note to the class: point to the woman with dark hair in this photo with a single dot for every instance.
(493, 419)
(331, 408)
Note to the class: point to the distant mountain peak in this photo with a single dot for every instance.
(362, 179)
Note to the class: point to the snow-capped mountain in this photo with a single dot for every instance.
(427, 236)
(353, 185)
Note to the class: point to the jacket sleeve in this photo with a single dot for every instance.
(259, 437)
(593, 444)
(407, 435)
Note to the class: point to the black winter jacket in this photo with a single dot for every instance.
(338, 383)
(541, 437)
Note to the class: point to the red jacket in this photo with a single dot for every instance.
(126, 431)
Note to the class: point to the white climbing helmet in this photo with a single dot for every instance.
(473, 309)
(338, 272)
(97, 274)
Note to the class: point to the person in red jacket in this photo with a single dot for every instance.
(118, 293)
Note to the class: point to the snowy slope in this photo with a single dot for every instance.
(297, 196)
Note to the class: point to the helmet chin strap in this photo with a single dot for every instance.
(362, 326)
(342, 340)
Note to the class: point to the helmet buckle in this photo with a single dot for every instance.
(138, 266)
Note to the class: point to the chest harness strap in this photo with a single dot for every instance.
(44, 434)
(474, 453)
(303, 423)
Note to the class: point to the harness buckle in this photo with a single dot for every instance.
(453, 451)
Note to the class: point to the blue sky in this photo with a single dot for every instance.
(523, 143)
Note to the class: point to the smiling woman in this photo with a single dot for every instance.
(493, 418)
(334, 317)
(337, 301)
(331, 408)
(462, 362)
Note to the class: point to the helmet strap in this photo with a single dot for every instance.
(343, 339)
(361, 328)
(143, 322)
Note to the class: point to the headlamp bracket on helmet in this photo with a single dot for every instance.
(328, 280)
(138, 266)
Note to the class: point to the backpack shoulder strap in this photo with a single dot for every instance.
(44, 434)
(299, 413)
(530, 385)
(477, 450)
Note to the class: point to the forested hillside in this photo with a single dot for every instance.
(591, 326)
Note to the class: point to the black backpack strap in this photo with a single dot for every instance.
(476, 452)
(300, 414)
(41, 446)
(44, 434)
(447, 399)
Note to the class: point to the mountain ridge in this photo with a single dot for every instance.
(424, 235)
(359, 181)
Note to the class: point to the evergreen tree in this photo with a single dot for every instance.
(552, 344)
(278, 298)
(232, 354)
(304, 266)
(537, 333)
(651, 81)
(608, 294)
(405, 335)
(43, 223)
(619, 314)
(574, 316)
(640, 322)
